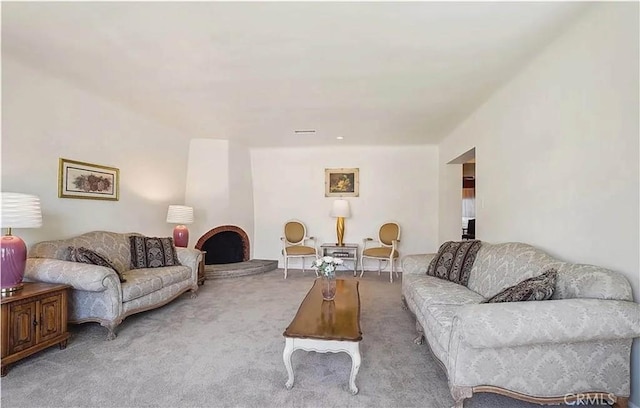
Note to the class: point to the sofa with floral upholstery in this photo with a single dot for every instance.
(109, 280)
(551, 351)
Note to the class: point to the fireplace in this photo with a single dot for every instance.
(225, 244)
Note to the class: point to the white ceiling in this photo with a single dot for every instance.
(374, 73)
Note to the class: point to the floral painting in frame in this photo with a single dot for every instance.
(85, 180)
(341, 182)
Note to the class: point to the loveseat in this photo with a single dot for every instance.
(553, 351)
(98, 294)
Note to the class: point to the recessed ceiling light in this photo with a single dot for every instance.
(339, 137)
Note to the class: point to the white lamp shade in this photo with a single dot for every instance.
(340, 208)
(21, 211)
(180, 214)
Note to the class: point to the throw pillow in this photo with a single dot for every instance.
(454, 260)
(536, 288)
(88, 256)
(152, 252)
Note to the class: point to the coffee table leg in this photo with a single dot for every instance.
(355, 367)
(286, 356)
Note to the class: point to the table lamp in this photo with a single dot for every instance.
(180, 214)
(18, 211)
(340, 210)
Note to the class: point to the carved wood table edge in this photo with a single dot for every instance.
(327, 327)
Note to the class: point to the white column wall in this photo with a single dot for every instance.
(219, 187)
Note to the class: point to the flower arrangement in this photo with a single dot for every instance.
(327, 266)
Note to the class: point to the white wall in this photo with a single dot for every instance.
(219, 187)
(396, 183)
(557, 151)
(45, 118)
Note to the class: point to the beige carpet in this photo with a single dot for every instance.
(224, 349)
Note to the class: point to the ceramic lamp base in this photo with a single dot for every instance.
(181, 236)
(13, 253)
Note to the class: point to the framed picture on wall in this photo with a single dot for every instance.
(341, 182)
(85, 180)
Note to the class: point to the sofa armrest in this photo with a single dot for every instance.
(416, 264)
(191, 258)
(493, 325)
(81, 276)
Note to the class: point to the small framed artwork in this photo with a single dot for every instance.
(85, 180)
(341, 183)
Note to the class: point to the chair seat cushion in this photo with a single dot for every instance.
(380, 252)
(300, 250)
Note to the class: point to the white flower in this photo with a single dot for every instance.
(326, 265)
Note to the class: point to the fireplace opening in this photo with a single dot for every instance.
(223, 248)
(224, 245)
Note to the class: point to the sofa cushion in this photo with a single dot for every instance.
(426, 290)
(140, 282)
(173, 274)
(152, 252)
(87, 256)
(439, 320)
(536, 288)
(454, 260)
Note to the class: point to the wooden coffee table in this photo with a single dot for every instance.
(327, 327)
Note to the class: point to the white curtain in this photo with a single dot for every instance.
(468, 203)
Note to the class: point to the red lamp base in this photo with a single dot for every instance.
(13, 254)
(181, 236)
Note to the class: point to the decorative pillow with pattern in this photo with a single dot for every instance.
(454, 260)
(88, 256)
(536, 288)
(152, 252)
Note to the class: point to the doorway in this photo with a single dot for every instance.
(468, 190)
(469, 200)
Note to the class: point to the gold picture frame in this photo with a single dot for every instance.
(78, 179)
(342, 182)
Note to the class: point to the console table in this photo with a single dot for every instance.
(346, 252)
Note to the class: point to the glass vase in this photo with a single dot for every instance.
(328, 287)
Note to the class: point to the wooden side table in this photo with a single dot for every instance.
(201, 275)
(347, 252)
(33, 319)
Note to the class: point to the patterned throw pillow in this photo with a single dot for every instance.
(536, 288)
(86, 255)
(151, 252)
(454, 260)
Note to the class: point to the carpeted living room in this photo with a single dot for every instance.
(472, 167)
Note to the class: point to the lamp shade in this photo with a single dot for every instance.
(180, 214)
(21, 211)
(340, 208)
